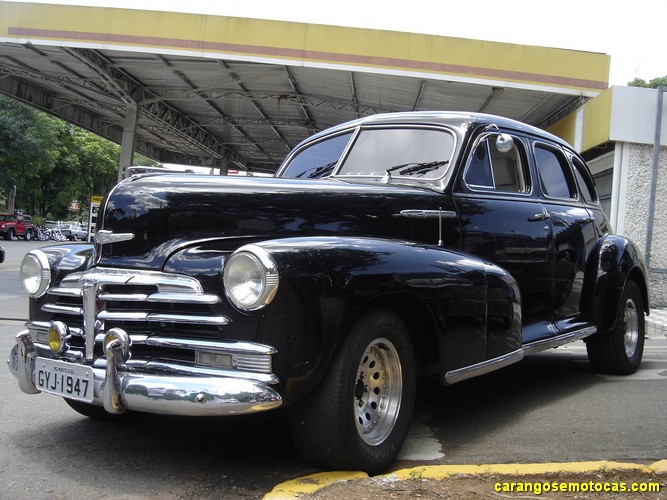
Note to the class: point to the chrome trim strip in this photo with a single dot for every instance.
(187, 318)
(192, 370)
(66, 291)
(208, 345)
(182, 298)
(123, 297)
(487, 366)
(58, 309)
(541, 345)
(163, 318)
(428, 214)
(90, 323)
(103, 237)
(122, 316)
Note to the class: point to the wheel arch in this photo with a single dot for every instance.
(418, 318)
(616, 261)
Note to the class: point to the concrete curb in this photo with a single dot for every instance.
(314, 482)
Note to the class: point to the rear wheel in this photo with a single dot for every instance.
(620, 350)
(359, 415)
(28, 235)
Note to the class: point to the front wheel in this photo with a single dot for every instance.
(9, 235)
(358, 416)
(620, 351)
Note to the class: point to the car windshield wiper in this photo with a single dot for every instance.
(319, 171)
(413, 168)
(416, 168)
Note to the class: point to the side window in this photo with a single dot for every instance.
(319, 159)
(489, 168)
(584, 180)
(554, 171)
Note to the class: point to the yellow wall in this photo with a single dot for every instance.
(595, 125)
(297, 43)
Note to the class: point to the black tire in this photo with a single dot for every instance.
(92, 411)
(620, 351)
(358, 416)
(9, 235)
(28, 235)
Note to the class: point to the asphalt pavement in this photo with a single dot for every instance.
(551, 407)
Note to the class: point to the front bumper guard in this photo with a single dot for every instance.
(118, 390)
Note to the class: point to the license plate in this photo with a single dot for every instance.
(65, 379)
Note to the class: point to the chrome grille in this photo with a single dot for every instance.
(154, 308)
(137, 297)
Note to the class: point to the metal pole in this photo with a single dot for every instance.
(654, 177)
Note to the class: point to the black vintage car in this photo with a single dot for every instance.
(434, 244)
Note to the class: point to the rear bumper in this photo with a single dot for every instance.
(118, 390)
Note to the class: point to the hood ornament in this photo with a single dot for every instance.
(103, 237)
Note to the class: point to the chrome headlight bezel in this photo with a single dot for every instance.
(251, 278)
(35, 273)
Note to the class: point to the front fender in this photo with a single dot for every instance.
(614, 261)
(326, 283)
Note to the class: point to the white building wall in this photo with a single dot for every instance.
(633, 216)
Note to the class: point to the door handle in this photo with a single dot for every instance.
(539, 217)
(586, 220)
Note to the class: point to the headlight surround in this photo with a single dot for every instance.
(35, 273)
(251, 278)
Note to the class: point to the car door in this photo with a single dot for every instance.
(503, 220)
(573, 232)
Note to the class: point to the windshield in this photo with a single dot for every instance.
(7, 218)
(404, 152)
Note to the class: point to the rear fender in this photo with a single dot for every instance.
(614, 261)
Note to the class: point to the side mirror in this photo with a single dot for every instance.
(504, 143)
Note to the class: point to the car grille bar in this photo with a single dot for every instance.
(118, 295)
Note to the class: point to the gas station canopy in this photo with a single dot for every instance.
(240, 93)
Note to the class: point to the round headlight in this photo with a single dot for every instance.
(250, 278)
(35, 273)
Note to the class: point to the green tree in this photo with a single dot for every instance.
(651, 84)
(27, 141)
(52, 162)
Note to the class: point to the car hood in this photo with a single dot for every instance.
(165, 213)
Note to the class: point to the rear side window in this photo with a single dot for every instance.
(318, 160)
(585, 181)
(554, 170)
(489, 168)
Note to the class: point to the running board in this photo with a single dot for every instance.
(566, 338)
(487, 366)
(453, 376)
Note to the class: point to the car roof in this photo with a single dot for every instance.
(454, 119)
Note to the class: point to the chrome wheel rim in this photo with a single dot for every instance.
(630, 327)
(378, 391)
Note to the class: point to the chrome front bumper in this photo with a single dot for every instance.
(118, 390)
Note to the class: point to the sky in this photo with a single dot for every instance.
(631, 32)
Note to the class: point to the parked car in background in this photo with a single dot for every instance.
(16, 225)
(393, 247)
(2, 255)
(73, 231)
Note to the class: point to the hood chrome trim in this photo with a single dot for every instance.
(103, 237)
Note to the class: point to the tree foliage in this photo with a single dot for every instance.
(651, 84)
(51, 162)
